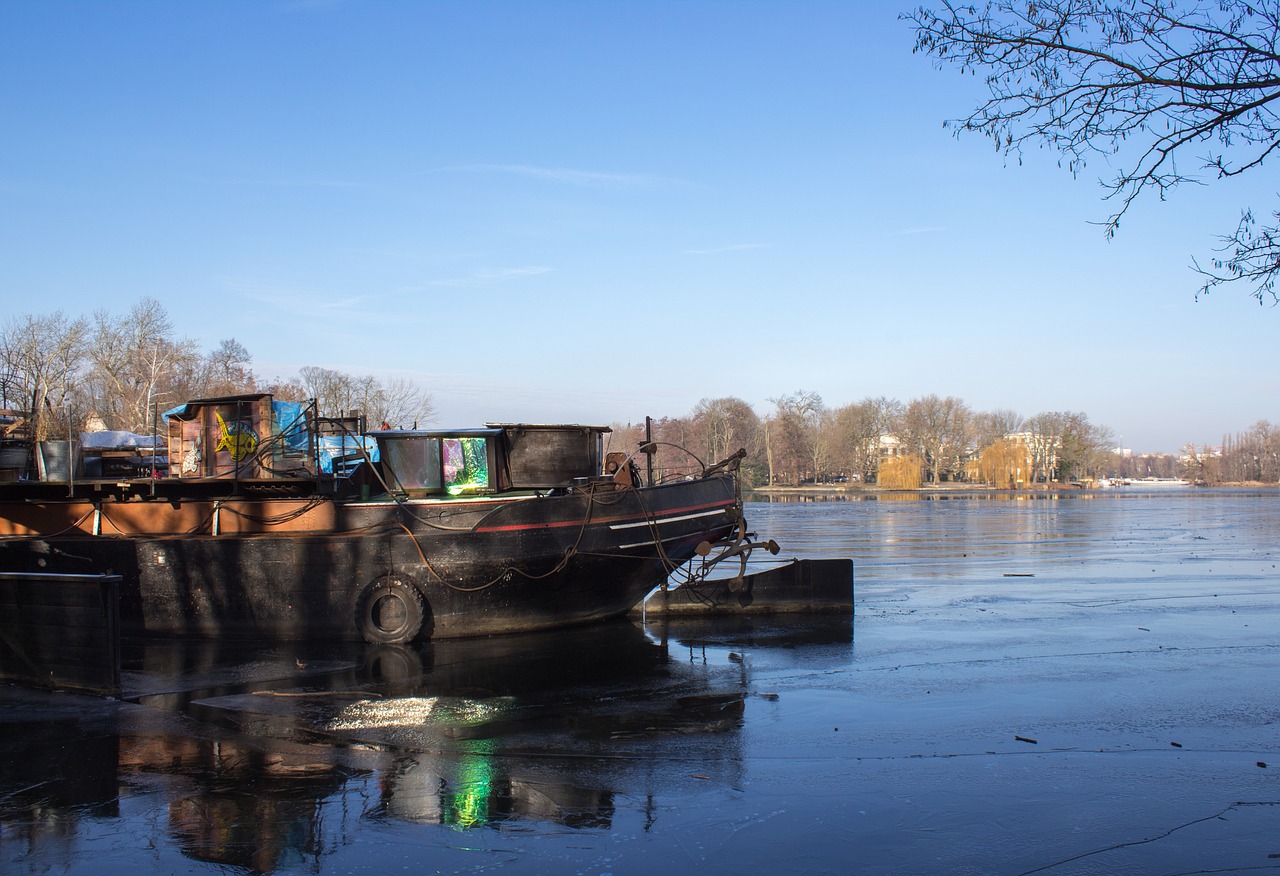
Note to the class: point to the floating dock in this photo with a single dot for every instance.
(799, 586)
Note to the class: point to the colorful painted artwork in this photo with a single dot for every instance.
(237, 438)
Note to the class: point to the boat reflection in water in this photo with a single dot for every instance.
(269, 758)
(244, 806)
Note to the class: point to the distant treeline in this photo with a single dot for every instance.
(119, 371)
(929, 440)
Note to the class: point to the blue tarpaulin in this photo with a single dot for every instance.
(348, 450)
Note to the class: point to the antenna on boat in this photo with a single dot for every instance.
(71, 450)
(648, 449)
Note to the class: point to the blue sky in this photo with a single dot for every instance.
(597, 211)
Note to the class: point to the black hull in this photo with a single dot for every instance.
(468, 568)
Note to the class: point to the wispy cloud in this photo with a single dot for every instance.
(732, 247)
(492, 276)
(564, 175)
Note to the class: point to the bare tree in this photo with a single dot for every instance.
(42, 356)
(132, 361)
(940, 428)
(334, 391)
(992, 426)
(1086, 448)
(726, 424)
(286, 390)
(795, 433)
(1064, 446)
(227, 369)
(1151, 82)
(1252, 456)
(1201, 464)
(398, 401)
(784, 448)
(856, 438)
(859, 428)
(1042, 436)
(674, 445)
(395, 401)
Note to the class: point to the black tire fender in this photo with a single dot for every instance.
(390, 611)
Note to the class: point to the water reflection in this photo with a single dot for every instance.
(922, 496)
(54, 772)
(249, 809)
(976, 537)
(755, 631)
(472, 790)
(961, 494)
(260, 759)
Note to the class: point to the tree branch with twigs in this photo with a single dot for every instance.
(1148, 81)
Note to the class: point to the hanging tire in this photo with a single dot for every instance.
(390, 612)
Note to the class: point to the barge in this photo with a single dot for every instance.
(259, 518)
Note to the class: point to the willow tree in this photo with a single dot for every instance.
(1166, 92)
(901, 473)
(1005, 463)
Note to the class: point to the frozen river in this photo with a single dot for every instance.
(1081, 684)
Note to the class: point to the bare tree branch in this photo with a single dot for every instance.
(1144, 81)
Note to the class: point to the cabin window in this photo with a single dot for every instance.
(416, 463)
(466, 465)
(458, 465)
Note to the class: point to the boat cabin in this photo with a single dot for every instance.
(500, 457)
(255, 439)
